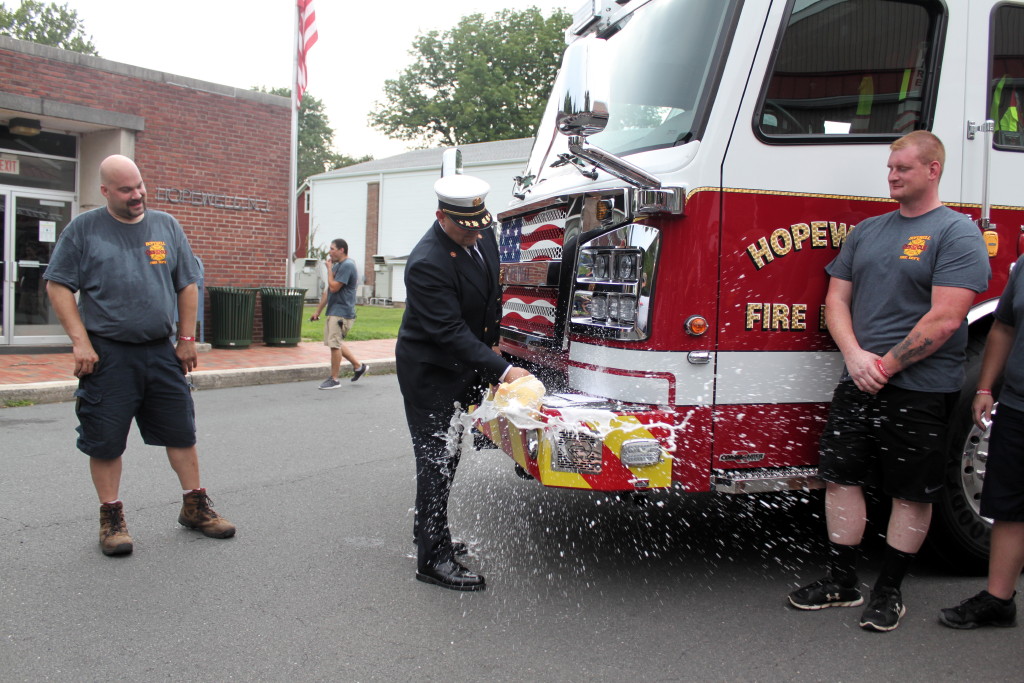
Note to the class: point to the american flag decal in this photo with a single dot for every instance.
(529, 309)
(536, 238)
(533, 238)
(508, 244)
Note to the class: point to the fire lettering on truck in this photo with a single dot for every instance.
(772, 317)
(776, 316)
(816, 234)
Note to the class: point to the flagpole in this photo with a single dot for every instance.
(293, 156)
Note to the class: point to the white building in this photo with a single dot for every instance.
(383, 207)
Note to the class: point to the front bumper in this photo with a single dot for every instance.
(585, 445)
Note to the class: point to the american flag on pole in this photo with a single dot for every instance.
(307, 38)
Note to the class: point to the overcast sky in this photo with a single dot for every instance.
(246, 43)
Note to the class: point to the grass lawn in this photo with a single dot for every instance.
(372, 322)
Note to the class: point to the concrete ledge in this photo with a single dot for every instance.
(41, 392)
(57, 392)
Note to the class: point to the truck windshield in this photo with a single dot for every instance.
(654, 71)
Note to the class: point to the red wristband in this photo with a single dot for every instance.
(983, 392)
(186, 338)
(881, 368)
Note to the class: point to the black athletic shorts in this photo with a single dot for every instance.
(143, 382)
(895, 439)
(1002, 495)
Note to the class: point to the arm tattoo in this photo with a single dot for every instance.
(912, 349)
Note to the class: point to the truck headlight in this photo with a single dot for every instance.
(626, 266)
(625, 308)
(599, 307)
(640, 452)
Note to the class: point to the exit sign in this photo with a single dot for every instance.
(9, 166)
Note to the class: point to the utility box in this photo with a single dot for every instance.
(310, 276)
(381, 278)
(388, 280)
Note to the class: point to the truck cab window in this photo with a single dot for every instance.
(1006, 90)
(837, 75)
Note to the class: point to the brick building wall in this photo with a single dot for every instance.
(190, 138)
(372, 230)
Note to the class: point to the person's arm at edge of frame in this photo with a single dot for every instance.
(943, 319)
(997, 351)
(64, 305)
(859, 363)
(188, 306)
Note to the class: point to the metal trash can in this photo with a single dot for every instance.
(282, 315)
(234, 311)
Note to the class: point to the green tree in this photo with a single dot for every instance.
(47, 24)
(486, 79)
(316, 138)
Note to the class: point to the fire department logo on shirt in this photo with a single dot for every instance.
(157, 252)
(914, 247)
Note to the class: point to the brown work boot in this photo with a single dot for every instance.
(196, 513)
(114, 538)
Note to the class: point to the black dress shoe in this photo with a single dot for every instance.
(458, 547)
(451, 575)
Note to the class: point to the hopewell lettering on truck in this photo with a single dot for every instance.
(697, 167)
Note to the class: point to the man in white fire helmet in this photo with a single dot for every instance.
(446, 354)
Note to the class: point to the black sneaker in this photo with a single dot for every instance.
(359, 373)
(984, 609)
(883, 611)
(825, 593)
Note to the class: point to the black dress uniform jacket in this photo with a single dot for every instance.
(453, 309)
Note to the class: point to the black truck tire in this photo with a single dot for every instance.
(959, 535)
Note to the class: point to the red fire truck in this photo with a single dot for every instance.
(697, 167)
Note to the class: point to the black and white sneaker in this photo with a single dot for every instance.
(984, 609)
(330, 383)
(360, 372)
(824, 593)
(885, 607)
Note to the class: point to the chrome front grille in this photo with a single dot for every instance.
(578, 452)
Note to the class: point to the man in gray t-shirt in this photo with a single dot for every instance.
(340, 299)
(131, 268)
(896, 307)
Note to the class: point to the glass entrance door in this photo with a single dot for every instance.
(32, 224)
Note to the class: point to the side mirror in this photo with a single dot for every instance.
(582, 103)
(584, 122)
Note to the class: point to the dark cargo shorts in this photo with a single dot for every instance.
(1002, 495)
(143, 382)
(895, 439)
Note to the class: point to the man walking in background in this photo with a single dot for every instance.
(340, 299)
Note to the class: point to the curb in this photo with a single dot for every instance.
(58, 392)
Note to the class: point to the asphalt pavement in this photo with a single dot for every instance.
(319, 585)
